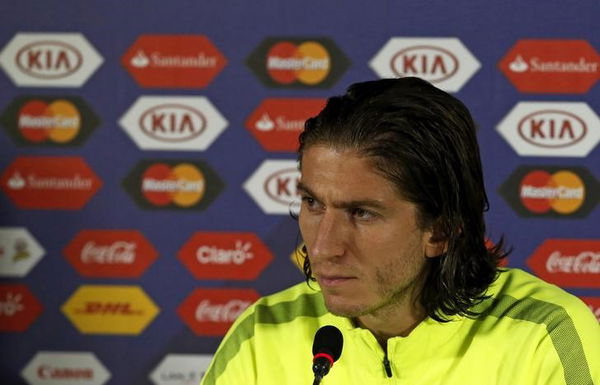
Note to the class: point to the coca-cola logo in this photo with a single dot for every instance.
(49, 59)
(173, 122)
(432, 63)
(210, 312)
(552, 128)
(220, 312)
(568, 262)
(586, 262)
(110, 253)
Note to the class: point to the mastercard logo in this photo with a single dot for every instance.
(551, 191)
(58, 121)
(172, 184)
(563, 192)
(308, 63)
(298, 62)
(183, 185)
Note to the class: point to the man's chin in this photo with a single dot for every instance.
(340, 308)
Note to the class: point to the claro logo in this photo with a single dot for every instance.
(221, 255)
(551, 129)
(106, 309)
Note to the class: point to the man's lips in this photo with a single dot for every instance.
(333, 280)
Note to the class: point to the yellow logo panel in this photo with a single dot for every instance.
(110, 309)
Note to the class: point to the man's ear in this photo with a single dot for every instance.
(436, 242)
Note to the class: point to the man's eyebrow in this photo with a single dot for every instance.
(343, 205)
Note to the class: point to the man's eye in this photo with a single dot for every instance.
(309, 202)
(362, 213)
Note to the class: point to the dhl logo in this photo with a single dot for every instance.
(108, 309)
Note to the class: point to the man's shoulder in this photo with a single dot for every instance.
(520, 295)
(298, 301)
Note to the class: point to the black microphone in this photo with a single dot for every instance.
(327, 348)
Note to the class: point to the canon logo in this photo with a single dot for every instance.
(432, 63)
(552, 128)
(214, 255)
(227, 312)
(119, 252)
(281, 185)
(47, 372)
(49, 59)
(586, 262)
(172, 122)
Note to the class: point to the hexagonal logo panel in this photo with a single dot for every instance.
(19, 251)
(173, 61)
(444, 62)
(18, 308)
(41, 182)
(49, 121)
(181, 369)
(185, 123)
(551, 129)
(107, 309)
(110, 253)
(277, 123)
(551, 191)
(49, 59)
(298, 62)
(223, 255)
(551, 66)
(273, 186)
(60, 368)
(568, 262)
(173, 184)
(211, 312)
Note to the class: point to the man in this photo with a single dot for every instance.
(395, 257)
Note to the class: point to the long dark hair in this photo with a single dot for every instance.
(424, 141)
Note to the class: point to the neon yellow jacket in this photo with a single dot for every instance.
(530, 332)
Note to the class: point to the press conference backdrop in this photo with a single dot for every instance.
(147, 165)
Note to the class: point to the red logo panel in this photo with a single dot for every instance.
(184, 61)
(276, 123)
(110, 253)
(568, 262)
(18, 308)
(552, 66)
(211, 312)
(50, 182)
(213, 255)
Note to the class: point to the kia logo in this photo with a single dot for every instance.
(281, 186)
(429, 62)
(49, 59)
(552, 128)
(172, 122)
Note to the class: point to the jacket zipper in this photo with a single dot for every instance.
(387, 366)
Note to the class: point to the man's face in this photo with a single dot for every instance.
(365, 248)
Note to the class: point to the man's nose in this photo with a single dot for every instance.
(330, 238)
